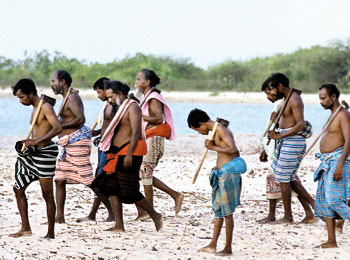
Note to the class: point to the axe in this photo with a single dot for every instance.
(70, 90)
(206, 149)
(43, 98)
(324, 129)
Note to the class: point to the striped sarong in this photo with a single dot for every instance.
(331, 196)
(227, 184)
(75, 166)
(288, 156)
(38, 164)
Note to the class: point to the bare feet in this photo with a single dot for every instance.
(79, 220)
(116, 230)
(327, 245)
(49, 236)
(110, 218)
(22, 233)
(208, 249)
(339, 224)
(284, 221)
(142, 217)
(60, 220)
(266, 220)
(309, 220)
(158, 222)
(178, 203)
(225, 252)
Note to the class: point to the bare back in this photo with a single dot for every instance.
(72, 117)
(107, 118)
(156, 113)
(334, 137)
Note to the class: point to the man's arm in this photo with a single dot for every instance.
(223, 133)
(76, 106)
(155, 109)
(345, 129)
(135, 116)
(52, 119)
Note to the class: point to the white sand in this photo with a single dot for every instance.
(182, 235)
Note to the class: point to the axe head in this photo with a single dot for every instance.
(222, 121)
(73, 90)
(48, 99)
(345, 104)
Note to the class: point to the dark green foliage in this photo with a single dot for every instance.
(307, 69)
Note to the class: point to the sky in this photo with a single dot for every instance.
(207, 32)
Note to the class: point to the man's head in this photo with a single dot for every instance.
(99, 86)
(265, 88)
(277, 82)
(328, 95)
(146, 78)
(197, 119)
(116, 92)
(60, 79)
(25, 89)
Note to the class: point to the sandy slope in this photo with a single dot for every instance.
(182, 235)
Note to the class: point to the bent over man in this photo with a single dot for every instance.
(38, 160)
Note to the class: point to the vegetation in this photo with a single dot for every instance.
(306, 68)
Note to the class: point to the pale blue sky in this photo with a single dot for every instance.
(208, 32)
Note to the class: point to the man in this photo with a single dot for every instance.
(225, 178)
(290, 145)
(158, 123)
(73, 165)
(333, 174)
(273, 189)
(126, 145)
(104, 119)
(38, 161)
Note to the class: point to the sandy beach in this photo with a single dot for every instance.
(182, 236)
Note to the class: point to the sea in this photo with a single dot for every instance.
(245, 118)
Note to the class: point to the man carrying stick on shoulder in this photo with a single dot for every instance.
(225, 178)
(333, 174)
(38, 161)
(158, 124)
(124, 142)
(290, 144)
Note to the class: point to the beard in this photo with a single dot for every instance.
(58, 91)
(138, 93)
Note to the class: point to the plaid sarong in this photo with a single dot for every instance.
(75, 167)
(288, 156)
(40, 163)
(227, 184)
(331, 196)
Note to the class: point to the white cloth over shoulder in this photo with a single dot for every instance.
(270, 149)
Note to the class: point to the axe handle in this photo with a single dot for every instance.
(36, 115)
(64, 101)
(324, 129)
(94, 125)
(204, 154)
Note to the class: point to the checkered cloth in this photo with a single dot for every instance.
(288, 156)
(227, 184)
(331, 196)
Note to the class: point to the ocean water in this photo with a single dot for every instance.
(245, 118)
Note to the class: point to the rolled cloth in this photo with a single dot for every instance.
(33, 164)
(75, 167)
(227, 184)
(116, 180)
(331, 196)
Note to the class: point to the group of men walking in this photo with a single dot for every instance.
(131, 143)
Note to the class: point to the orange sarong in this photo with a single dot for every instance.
(163, 130)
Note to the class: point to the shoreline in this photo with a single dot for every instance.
(192, 96)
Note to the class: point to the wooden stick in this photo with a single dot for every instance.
(204, 154)
(324, 129)
(280, 113)
(36, 115)
(115, 118)
(70, 90)
(94, 125)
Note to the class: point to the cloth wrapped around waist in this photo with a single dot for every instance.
(163, 130)
(82, 133)
(112, 158)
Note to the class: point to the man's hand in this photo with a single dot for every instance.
(273, 117)
(30, 142)
(338, 173)
(263, 156)
(127, 161)
(273, 135)
(209, 144)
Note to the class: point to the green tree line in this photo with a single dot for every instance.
(306, 68)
